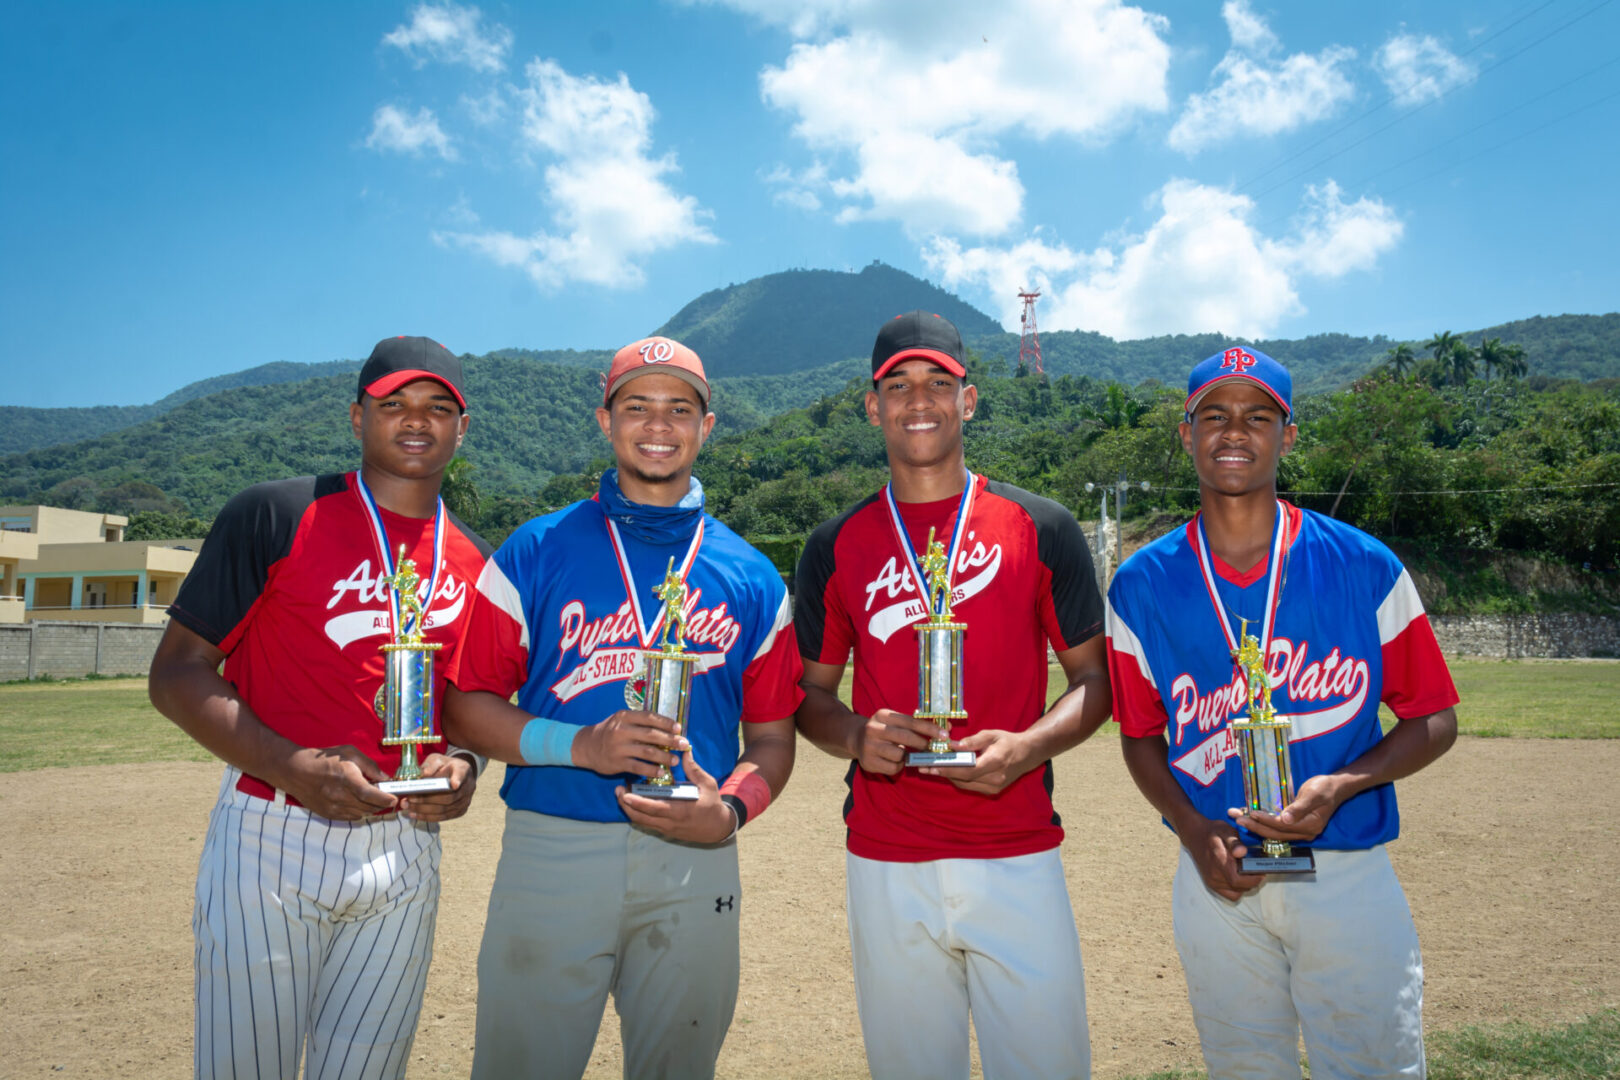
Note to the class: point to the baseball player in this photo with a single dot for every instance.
(316, 891)
(956, 898)
(1333, 952)
(601, 891)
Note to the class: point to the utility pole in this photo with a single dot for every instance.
(1119, 487)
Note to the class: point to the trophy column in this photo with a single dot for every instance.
(1268, 781)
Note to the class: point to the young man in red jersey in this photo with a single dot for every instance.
(316, 890)
(956, 896)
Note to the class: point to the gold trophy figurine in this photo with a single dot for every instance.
(939, 663)
(669, 683)
(405, 702)
(1268, 782)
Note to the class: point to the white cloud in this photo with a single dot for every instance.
(392, 129)
(914, 96)
(609, 200)
(1419, 69)
(486, 109)
(1255, 93)
(452, 34)
(1200, 267)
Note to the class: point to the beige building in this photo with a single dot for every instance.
(76, 566)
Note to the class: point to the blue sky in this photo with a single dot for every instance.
(191, 189)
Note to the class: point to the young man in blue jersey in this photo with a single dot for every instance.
(1331, 953)
(601, 891)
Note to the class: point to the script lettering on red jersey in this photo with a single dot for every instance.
(368, 588)
(1202, 718)
(592, 642)
(896, 580)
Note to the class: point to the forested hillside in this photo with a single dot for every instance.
(530, 421)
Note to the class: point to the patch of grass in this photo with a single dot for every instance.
(1588, 1049)
(1536, 699)
(86, 722)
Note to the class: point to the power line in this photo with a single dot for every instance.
(1506, 142)
(1419, 108)
(1487, 123)
(1302, 151)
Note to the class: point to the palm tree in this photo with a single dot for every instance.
(1440, 346)
(1507, 360)
(1460, 364)
(1400, 359)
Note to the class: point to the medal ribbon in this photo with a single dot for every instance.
(648, 634)
(1268, 622)
(379, 533)
(964, 510)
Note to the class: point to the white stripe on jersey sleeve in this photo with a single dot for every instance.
(1124, 641)
(498, 589)
(784, 619)
(1399, 609)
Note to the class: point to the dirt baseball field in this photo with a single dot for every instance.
(1509, 855)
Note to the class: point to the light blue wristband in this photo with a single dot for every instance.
(547, 742)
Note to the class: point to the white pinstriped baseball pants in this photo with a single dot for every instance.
(310, 929)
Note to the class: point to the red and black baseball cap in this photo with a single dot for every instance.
(654, 356)
(399, 360)
(918, 335)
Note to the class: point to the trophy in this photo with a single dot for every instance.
(939, 664)
(1268, 782)
(668, 683)
(405, 702)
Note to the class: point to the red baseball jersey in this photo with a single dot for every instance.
(289, 587)
(1022, 579)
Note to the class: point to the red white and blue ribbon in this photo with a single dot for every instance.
(385, 555)
(1268, 621)
(649, 633)
(964, 510)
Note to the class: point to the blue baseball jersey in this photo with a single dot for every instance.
(1350, 632)
(553, 621)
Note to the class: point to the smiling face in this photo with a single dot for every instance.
(657, 424)
(412, 433)
(1237, 436)
(920, 408)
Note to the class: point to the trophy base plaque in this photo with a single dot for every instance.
(1298, 861)
(679, 792)
(423, 786)
(948, 759)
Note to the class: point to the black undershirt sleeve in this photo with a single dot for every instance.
(252, 533)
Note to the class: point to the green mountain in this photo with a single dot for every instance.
(530, 421)
(805, 318)
(23, 428)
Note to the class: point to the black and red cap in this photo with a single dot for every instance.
(919, 335)
(399, 360)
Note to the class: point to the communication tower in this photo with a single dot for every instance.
(1029, 349)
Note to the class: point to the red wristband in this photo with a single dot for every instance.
(752, 789)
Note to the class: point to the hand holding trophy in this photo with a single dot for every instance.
(669, 683)
(939, 664)
(1268, 782)
(405, 702)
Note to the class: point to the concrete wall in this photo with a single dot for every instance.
(70, 650)
(1514, 636)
